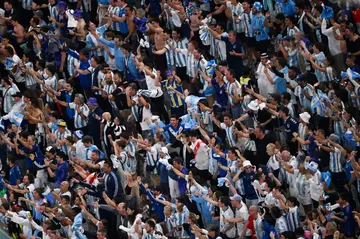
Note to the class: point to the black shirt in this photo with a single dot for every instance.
(261, 156)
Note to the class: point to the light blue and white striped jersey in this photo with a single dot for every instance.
(151, 158)
(231, 90)
(202, 67)
(302, 184)
(281, 225)
(258, 227)
(336, 158)
(212, 49)
(80, 122)
(31, 188)
(86, 5)
(293, 58)
(180, 219)
(27, 4)
(338, 128)
(230, 134)
(303, 135)
(7, 98)
(115, 26)
(110, 61)
(236, 12)
(329, 74)
(291, 31)
(180, 59)
(170, 60)
(91, 41)
(61, 136)
(206, 117)
(191, 63)
(52, 10)
(221, 49)
(305, 102)
(50, 82)
(293, 218)
(29, 79)
(72, 62)
(109, 89)
(320, 58)
(246, 20)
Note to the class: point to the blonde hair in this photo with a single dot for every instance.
(194, 217)
(271, 145)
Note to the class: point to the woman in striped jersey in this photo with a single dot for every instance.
(303, 187)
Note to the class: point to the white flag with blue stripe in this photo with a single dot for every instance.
(323, 96)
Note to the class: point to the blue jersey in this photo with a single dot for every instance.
(173, 132)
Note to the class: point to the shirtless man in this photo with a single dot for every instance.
(177, 5)
(79, 32)
(159, 39)
(132, 36)
(33, 113)
(19, 32)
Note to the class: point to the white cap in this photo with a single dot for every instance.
(305, 116)
(254, 105)
(155, 117)
(164, 150)
(247, 163)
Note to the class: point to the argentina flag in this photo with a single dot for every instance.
(210, 67)
(323, 96)
(16, 118)
(315, 101)
(352, 74)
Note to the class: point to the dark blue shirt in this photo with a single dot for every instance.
(14, 175)
(182, 182)
(61, 172)
(248, 178)
(221, 96)
(173, 132)
(291, 126)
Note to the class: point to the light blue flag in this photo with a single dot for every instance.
(323, 96)
(210, 67)
(16, 118)
(221, 181)
(315, 101)
(93, 148)
(352, 74)
(343, 74)
(326, 177)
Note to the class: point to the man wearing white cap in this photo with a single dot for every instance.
(316, 188)
(303, 128)
(241, 214)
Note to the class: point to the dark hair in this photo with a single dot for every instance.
(228, 114)
(291, 18)
(282, 61)
(84, 52)
(319, 8)
(126, 47)
(66, 197)
(178, 160)
(319, 46)
(9, 50)
(285, 110)
(293, 200)
(30, 177)
(52, 68)
(286, 96)
(225, 200)
(276, 212)
(87, 139)
(151, 223)
(280, 16)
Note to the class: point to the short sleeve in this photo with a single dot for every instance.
(85, 111)
(224, 37)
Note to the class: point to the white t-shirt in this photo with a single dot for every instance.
(228, 213)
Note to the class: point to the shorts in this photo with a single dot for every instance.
(250, 41)
(241, 36)
(262, 46)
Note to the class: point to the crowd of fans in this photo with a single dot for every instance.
(180, 119)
